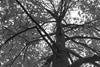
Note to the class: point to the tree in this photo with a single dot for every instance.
(49, 33)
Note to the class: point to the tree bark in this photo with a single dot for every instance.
(61, 59)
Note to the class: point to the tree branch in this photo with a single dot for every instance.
(72, 52)
(47, 41)
(14, 59)
(19, 33)
(85, 45)
(79, 62)
(74, 26)
(82, 37)
(35, 22)
(63, 13)
(16, 35)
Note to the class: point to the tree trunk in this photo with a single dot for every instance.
(61, 59)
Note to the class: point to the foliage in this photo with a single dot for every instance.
(28, 30)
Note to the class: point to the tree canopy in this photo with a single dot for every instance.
(44, 33)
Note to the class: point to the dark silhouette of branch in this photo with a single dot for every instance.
(54, 15)
(47, 41)
(51, 1)
(66, 7)
(84, 37)
(19, 33)
(35, 22)
(28, 43)
(16, 35)
(51, 34)
(75, 26)
(92, 59)
(73, 53)
(72, 25)
(14, 59)
(83, 44)
(63, 4)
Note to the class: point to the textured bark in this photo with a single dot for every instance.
(61, 59)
